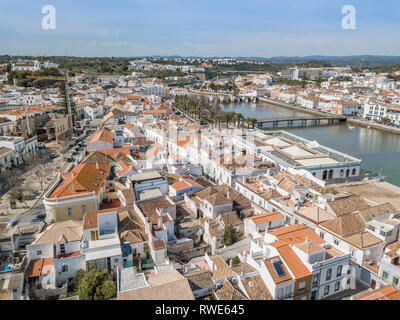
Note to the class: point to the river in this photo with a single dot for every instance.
(378, 150)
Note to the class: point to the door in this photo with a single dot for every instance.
(314, 295)
(373, 284)
(109, 265)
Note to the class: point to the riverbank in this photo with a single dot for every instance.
(373, 125)
(361, 123)
(290, 106)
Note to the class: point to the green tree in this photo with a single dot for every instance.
(253, 122)
(106, 291)
(231, 236)
(95, 286)
(77, 278)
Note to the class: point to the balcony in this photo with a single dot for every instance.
(285, 297)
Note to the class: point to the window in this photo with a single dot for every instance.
(83, 209)
(339, 271)
(337, 286)
(62, 248)
(39, 252)
(395, 281)
(326, 290)
(328, 274)
(354, 172)
(302, 285)
(383, 233)
(115, 260)
(64, 268)
(385, 275)
(336, 242)
(321, 234)
(280, 293)
(315, 280)
(69, 212)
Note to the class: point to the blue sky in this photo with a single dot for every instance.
(262, 28)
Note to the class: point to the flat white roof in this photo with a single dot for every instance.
(297, 151)
(130, 280)
(277, 142)
(316, 161)
(103, 248)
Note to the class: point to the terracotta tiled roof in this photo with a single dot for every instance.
(39, 267)
(168, 285)
(348, 204)
(228, 292)
(180, 185)
(296, 233)
(295, 264)
(90, 220)
(70, 255)
(272, 271)
(200, 279)
(315, 214)
(83, 178)
(102, 135)
(266, 217)
(386, 293)
(221, 269)
(309, 246)
(65, 231)
(256, 288)
(345, 225)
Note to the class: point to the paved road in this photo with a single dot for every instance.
(39, 206)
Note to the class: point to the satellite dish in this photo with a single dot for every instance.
(367, 252)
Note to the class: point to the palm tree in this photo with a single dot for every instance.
(247, 120)
(253, 122)
(213, 114)
(239, 119)
(219, 119)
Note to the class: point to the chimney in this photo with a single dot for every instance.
(228, 196)
(73, 186)
(160, 222)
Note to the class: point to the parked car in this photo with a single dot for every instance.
(12, 222)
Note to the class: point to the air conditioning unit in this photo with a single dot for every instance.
(326, 246)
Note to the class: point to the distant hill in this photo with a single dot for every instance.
(357, 61)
